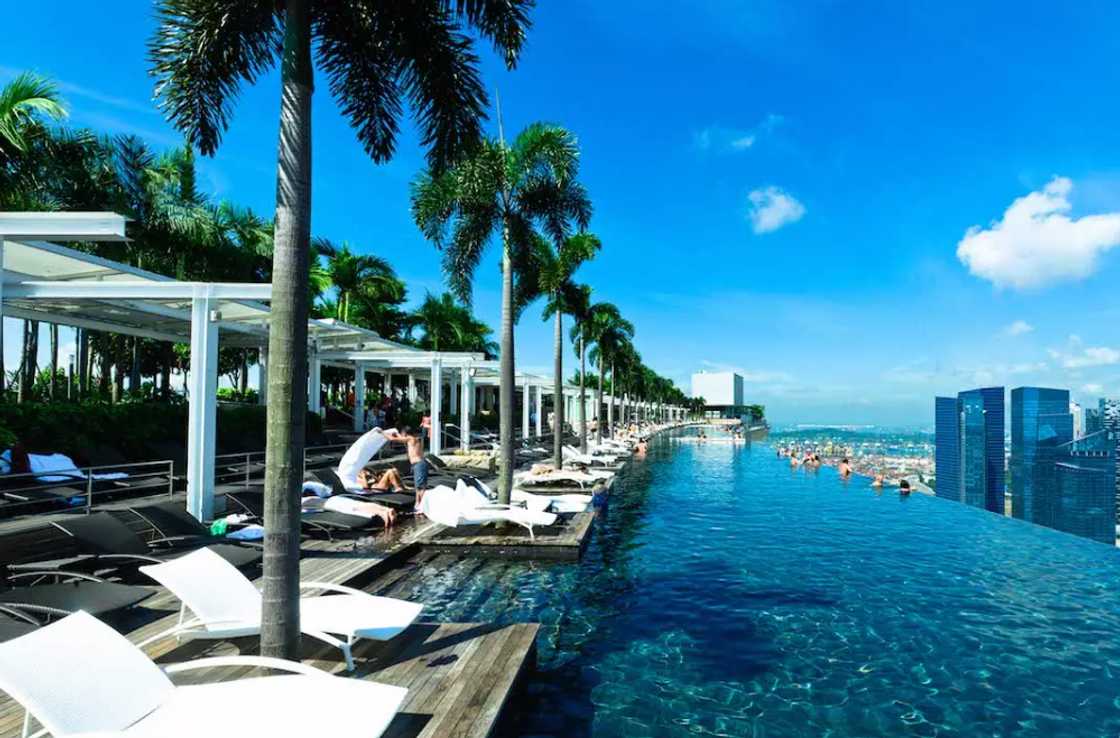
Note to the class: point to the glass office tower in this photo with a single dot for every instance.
(1085, 487)
(1040, 423)
(977, 443)
(947, 456)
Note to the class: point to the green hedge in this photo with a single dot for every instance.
(91, 432)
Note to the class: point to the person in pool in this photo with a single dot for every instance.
(878, 480)
(641, 448)
(904, 487)
(793, 461)
(845, 468)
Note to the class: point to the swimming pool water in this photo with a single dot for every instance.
(725, 594)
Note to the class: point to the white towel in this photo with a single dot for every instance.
(62, 468)
(357, 456)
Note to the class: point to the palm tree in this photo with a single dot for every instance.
(449, 326)
(25, 99)
(555, 269)
(353, 275)
(375, 56)
(611, 334)
(507, 190)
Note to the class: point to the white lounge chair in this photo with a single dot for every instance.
(226, 605)
(529, 479)
(573, 455)
(79, 677)
(566, 503)
(455, 507)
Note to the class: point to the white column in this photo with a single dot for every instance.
(411, 388)
(314, 381)
(359, 398)
(540, 410)
(467, 387)
(453, 404)
(436, 397)
(262, 376)
(202, 412)
(525, 409)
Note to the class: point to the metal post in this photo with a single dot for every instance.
(262, 376)
(540, 410)
(202, 409)
(89, 491)
(359, 397)
(436, 393)
(525, 409)
(314, 381)
(465, 408)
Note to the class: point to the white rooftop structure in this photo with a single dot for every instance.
(43, 280)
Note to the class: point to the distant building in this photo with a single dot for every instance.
(1110, 421)
(1085, 487)
(970, 428)
(1040, 424)
(947, 448)
(1078, 414)
(722, 392)
(1092, 421)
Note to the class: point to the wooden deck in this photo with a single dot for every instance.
(459, 676)
(560, 542)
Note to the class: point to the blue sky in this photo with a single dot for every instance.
(782, 188)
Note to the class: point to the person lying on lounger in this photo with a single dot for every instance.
(313, 502)
(386, 481)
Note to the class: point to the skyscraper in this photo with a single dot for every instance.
(1078, 419)
(1040, 423)
(947, 454)
(975, 440)
(1110, 421)
(1085, 487)
(1092, 421)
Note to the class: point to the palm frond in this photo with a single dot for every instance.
(201, 53)
(505, 22)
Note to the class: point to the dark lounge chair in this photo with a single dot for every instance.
(70, 592)
(326, 523)
(112, 542)
(14, 623)
(399, 501)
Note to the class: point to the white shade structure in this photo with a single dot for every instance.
(49, 282)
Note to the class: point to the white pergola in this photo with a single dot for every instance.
(46, 281)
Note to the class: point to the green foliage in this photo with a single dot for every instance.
(446, 325)
(231, 394)
(139, 431)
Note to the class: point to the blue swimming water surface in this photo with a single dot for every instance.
(725, 594)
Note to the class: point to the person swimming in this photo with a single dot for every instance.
(878, 480)
(904, 487)
(845, 468)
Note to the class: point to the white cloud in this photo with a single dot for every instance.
(743, 142)
(1018, 328)
(1092, 388)
(1036, 242)
(771, 208)
(1078, 356)
(723, 139)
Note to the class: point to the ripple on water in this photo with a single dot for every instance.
(724, 594)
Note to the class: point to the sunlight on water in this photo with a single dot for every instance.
(724, 594)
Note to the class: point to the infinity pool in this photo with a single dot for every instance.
(724, 594)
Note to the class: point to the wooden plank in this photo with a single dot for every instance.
(567, 542)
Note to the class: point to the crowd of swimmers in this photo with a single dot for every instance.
(809, 459)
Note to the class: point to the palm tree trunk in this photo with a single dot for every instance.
(582, 395)
(558, 389)
(287, 343)
(505, 397)
(599, 403)
(54, 359)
